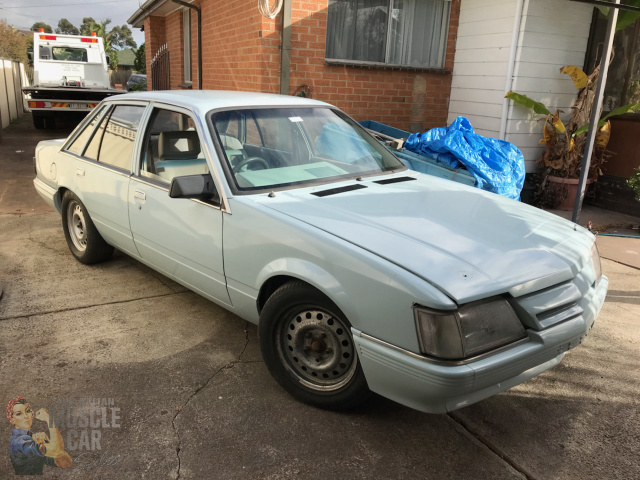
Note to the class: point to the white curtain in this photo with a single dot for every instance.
(416, 35)
(357, 30)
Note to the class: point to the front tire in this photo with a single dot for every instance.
(81, 234)
(307, 346)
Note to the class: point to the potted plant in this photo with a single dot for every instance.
(634, 183)
(561, 160)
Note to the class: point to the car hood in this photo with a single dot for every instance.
(469, 243)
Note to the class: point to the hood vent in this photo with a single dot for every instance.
(394, 180)
(334, 191)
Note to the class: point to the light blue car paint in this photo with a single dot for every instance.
(280, 245)
(435, 388)
(474, 243)
(376, 252)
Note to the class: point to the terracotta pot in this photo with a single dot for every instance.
(566, 189)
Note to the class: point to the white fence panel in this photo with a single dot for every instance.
(12, 78)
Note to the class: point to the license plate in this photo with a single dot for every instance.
(78, 105)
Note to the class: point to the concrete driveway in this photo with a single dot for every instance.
(180, 391)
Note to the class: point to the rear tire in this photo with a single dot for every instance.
(41, 121)
(307, 346)
(81, 234)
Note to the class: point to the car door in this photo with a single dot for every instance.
(180, 237)
(104, 152)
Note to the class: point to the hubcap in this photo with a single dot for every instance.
(77, 226)
(317, 348)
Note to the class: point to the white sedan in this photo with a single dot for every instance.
(361, 275)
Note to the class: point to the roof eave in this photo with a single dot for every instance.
(146, 9)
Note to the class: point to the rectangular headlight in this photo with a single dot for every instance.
(473, 329)
(595, 259)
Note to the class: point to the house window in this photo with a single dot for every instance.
(623, 78)
(186, 29)
(408, 33)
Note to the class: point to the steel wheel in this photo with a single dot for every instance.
(318, 349)
(77, 225)
(307, 346)
(83, 238)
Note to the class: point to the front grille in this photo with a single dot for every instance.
(555, 304)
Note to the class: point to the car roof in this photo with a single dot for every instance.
(203, 101)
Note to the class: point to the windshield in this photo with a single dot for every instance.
(268, 148)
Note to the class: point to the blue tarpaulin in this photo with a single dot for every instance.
(497, 165)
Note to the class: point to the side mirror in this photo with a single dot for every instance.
(193, 186)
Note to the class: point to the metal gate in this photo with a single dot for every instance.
(160, 78)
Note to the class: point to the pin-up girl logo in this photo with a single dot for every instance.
(31, 452)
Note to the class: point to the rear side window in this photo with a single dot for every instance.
(116, 144)
(81, 140)
(94, 144)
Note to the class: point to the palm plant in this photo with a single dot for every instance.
(564, 144)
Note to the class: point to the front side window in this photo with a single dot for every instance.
(172, 148)
(268, 148)
(410, 33)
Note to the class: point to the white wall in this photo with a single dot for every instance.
(481, 62)
(553, 33)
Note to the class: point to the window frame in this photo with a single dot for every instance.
(446, 22)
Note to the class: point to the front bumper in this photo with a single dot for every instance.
(432, 387)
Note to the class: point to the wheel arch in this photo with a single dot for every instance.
(281, 271)
(57, 199)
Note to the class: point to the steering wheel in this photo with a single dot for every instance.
(248, 161)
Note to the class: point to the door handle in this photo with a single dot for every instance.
(80, 172)
(140, 195)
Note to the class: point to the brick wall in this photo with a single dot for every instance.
(174, 35)
(241, 51)
(408, 100)
(234, 58)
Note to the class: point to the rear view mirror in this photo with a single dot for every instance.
(193, 186)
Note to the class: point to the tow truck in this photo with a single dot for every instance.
(70, 77)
